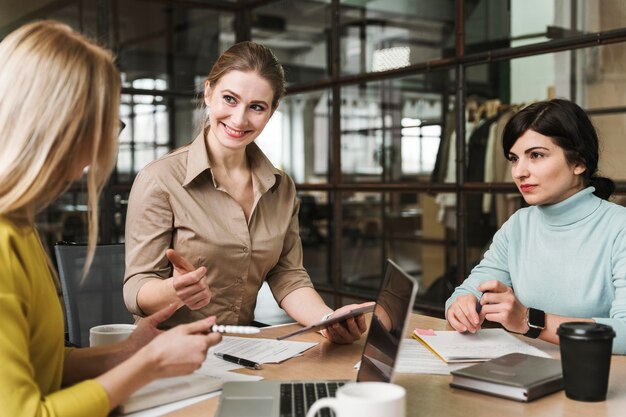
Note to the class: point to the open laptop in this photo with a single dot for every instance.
(293, 398)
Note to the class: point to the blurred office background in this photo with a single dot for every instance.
(378, 92)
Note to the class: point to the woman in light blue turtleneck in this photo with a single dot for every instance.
(563, 258)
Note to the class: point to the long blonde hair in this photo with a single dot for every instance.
(59, 99)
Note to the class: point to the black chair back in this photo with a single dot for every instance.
(96, 299)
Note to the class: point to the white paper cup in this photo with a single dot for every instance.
(107, 334)
(365, 399)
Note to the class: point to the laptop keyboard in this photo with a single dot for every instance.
(296, 398)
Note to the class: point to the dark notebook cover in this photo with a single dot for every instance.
(515, 376)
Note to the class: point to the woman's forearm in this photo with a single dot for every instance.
(552, 324)
(86, 363)
(305, 305)
(127, 378)
(157, 294)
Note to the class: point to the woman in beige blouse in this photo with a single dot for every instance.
(209, 222)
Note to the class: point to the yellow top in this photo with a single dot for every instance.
(32, 352)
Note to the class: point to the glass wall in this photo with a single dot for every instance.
(379, 94)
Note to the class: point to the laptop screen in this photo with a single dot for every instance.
(389, 320)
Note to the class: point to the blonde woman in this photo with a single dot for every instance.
(58, 115)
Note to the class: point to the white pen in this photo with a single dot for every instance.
(220, 328)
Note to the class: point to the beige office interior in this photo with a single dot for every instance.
(375, 88)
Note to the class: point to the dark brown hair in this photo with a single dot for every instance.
(570, 128)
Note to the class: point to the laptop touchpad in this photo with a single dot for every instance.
(245, 407)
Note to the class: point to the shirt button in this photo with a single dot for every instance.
(245, 249)
(233, 308)
(239, 280)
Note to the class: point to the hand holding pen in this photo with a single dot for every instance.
(500, 305)
(464, 314)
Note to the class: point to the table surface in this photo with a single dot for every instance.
(427, 395)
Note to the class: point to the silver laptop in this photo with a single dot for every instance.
(293, 398)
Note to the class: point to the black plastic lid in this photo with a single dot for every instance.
(586, 330)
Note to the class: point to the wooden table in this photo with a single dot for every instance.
(429, 395)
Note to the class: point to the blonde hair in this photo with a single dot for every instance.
(59, 100)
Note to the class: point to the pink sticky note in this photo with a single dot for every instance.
(425, 332)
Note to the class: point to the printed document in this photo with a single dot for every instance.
(261, 350)
(452, 346)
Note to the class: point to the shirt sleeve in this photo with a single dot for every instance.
(617, 319)
(289, 274)
(494, 265)
(20, 394)
(149, 229)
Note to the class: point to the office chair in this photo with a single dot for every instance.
(96, 299)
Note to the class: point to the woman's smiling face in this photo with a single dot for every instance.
(240, 105)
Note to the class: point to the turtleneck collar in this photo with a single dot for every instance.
(571, 210)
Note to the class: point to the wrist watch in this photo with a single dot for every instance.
(536, 320)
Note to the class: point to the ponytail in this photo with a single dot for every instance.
(604, 186)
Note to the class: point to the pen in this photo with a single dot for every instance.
(239, 361)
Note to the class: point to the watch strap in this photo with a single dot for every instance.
(536, 320)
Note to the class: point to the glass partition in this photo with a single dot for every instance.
(504, 24)
(391, 130)
(381, 35)
(406, 227)
(297, 137)
(172, 43)
(314, 218)
(298, 32)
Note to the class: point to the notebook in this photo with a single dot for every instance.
(293, 398)
(516, 376)
(453, 346)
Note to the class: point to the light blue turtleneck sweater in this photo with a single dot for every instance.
(567, 259)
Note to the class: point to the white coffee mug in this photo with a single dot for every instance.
(365, 399)
(107, 334)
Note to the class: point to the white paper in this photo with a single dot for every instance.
(415, 358)
(483, 345)
(260, 350)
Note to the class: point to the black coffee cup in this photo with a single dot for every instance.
(586, 359)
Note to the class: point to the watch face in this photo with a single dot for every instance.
(536, 318)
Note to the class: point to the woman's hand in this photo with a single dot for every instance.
(175, 352)
(463, 315)
(348, 331)
(500, 305)
(147, 329)
(189, 284)
(182, 349)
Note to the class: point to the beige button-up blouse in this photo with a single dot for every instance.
(176, 203)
